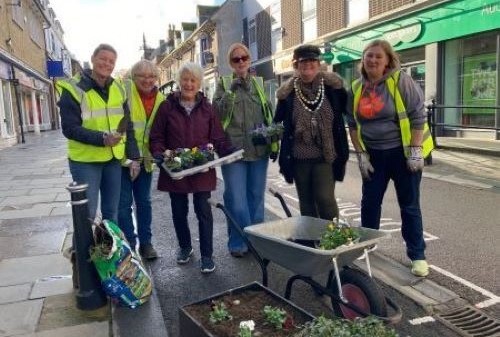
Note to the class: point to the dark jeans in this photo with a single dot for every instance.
(391, 164)
(138, 192)
(316, 189)
(180, 210)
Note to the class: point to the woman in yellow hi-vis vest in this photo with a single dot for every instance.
(96, 120)
(143, 99)
(242, 106)
(389, 131)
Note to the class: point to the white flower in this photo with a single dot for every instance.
(178, 159)
(249, 324)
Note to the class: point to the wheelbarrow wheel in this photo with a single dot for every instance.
(360, 290)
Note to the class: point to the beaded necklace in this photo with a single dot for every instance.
(304, 101)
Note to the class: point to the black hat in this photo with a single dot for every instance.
(306, 52)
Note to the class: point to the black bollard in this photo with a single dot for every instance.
(89, 295)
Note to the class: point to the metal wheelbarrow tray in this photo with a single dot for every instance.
(274, 241)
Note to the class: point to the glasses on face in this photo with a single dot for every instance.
(145, 77)
(238, 59)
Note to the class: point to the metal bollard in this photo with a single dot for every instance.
(90, 295)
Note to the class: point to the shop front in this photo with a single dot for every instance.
(452, 51)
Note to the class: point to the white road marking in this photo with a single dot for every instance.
(420, 320)
(466, 283)
(487, 303)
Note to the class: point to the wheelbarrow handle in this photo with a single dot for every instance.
(282, 201)
(234, 225)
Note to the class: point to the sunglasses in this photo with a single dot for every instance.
(239, 59)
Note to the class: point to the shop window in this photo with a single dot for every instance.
(357, 11)
(470, 70)
(309, 22)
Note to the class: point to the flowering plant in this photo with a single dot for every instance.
(338, 233)
(185, 158)
(271, 134)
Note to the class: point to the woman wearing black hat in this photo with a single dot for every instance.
(314, 149)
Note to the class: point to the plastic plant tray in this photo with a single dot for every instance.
(205, 167)
(273, 241)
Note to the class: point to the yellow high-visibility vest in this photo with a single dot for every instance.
(404, 122)
(97, 115)
(142, 125)
(258, 83)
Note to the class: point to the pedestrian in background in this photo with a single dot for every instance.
(185, 120)
(96, 120)
(389, 132)
(242, 106)
(143, 102)
(314, 148)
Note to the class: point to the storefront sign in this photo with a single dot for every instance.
(462, 18)
(283, 64)
(405, 34)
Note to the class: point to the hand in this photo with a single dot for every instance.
(159, 159)
(273, 156)
(415, 160)
(134, 169)
(365, 167)
(111, 139)
(235, 83)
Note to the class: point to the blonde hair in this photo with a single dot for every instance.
(393, 57)
(235, 46)
(143, 66)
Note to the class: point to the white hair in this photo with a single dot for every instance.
(192, 68)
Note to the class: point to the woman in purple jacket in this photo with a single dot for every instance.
(185, 120)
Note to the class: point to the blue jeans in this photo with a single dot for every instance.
(203, 211)
(244, 189)
(138, 191)
(391, 164)
(100, 177)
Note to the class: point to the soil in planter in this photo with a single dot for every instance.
(250, 307)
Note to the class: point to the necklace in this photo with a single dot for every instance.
(318, 100)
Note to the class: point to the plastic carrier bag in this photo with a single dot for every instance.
(123, 277)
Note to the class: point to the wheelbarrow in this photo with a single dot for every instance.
(289, 242)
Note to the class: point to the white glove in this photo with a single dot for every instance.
(365, 167)
(134, 169)
(415, 161)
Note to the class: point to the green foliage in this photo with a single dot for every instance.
(274, 316)
(337, 235)
(244, 332)
(219, 313)
(362, 327)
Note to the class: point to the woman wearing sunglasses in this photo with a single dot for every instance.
(242, 106)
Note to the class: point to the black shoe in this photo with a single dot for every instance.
(184, 255)
(238, 253)
(207, 265)
(148, 252)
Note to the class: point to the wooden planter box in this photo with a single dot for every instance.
(199, 326)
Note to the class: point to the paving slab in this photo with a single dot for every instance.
(12, 227)
(17, 293)
(19, 317)
(32, 244)
(29, 269)
(52, 285)
(34, 212)
(96, 329)
(29, 199)
(60, 311)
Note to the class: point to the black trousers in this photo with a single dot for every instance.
(180, 209)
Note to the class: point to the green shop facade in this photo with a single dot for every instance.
(452, 50)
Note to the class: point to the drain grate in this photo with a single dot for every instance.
(470, 322)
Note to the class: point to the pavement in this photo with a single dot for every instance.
(36, 294)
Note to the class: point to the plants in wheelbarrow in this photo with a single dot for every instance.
(338, 234)
(361, 327)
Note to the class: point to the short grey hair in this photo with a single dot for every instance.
(144, 66)
(194, 69)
